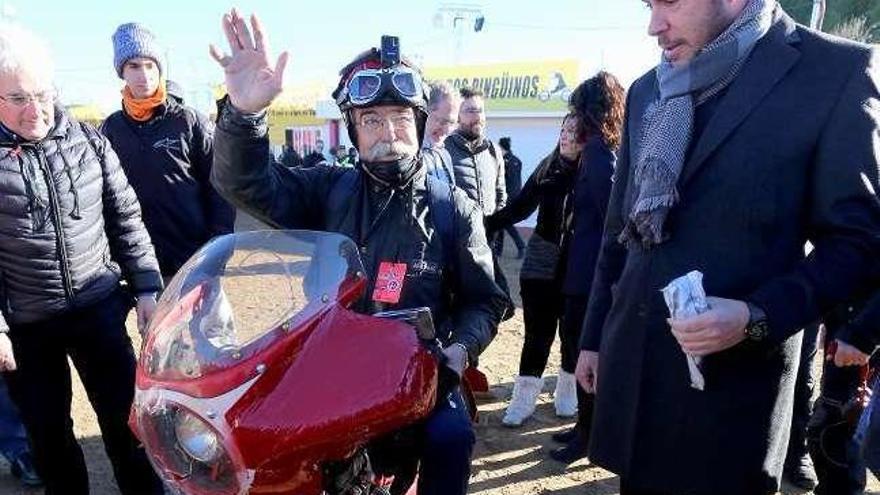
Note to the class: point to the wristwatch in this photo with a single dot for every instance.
(757, 328)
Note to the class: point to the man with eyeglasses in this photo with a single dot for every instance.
(165, 148)
(404, 221)
(443, 104)
(71, 229)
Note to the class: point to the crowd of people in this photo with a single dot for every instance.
(748, 154)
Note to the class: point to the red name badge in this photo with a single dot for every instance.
(389, 282)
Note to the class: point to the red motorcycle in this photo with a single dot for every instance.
(256, 377)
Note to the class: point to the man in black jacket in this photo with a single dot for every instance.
(290, 158)
(513, 183)
(71, 227)
(166, 151)
(476, 163)
(316, 156)
(431, 246)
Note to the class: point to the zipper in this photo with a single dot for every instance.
(59, 227)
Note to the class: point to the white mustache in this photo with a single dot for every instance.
(384, 150)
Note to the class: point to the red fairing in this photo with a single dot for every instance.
(354, 378)
(242, 391)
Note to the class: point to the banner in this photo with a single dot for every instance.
(519, 86)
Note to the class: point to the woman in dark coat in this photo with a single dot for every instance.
(549, 190)
(557, 271)
(599, 104)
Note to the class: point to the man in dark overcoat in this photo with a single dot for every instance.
(753, 136)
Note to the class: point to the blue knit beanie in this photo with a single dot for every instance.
(133, 40)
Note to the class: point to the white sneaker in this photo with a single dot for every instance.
(565, 396)
(522, 402)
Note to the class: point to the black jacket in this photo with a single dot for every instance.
(71, 224)
(512, 175)
(766, 174)
(589, 203)
(291, 159)
(168, 162)
(312, 159)
(479, 171)
(387, 224)
(548, 190)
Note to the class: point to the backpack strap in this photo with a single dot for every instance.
(93, 137)
(443, 215)
(492, 150)
(439, 164)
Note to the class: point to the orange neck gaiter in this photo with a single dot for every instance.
(142, 110)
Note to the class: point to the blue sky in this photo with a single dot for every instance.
(324, 35)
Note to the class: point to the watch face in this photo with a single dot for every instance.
(757, 330)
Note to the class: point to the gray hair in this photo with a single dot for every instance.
(441, 91)
(22, 50)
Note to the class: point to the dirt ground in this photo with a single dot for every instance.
(506, 462)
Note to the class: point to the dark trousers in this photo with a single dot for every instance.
(439, 450)
(839, 467)
(572, 322)
(543, 306)
(803, 396)
(95, 340)
(13, 437)
(448, 445)
(498, 242)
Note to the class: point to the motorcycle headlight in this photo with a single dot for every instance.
(196, 438)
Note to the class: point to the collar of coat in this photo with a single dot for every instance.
(475, 147)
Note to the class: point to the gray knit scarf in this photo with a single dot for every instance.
(667, 127)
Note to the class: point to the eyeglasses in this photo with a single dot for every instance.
(368, 84)
(472, 111)
(446, 122)
(22, 100)
(376, 123)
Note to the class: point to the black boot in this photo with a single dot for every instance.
(800, 472)
(574, 451)
(566, 435)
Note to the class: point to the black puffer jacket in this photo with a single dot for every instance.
(70, 224)
(459, 287)
(167, 160)
(479, 171)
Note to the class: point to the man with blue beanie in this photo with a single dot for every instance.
(166, 150)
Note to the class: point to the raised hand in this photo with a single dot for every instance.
(251, 82)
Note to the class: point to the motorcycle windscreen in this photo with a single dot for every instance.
(240, 293)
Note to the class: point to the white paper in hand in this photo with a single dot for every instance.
(686, 297)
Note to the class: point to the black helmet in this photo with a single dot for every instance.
(382, 77)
